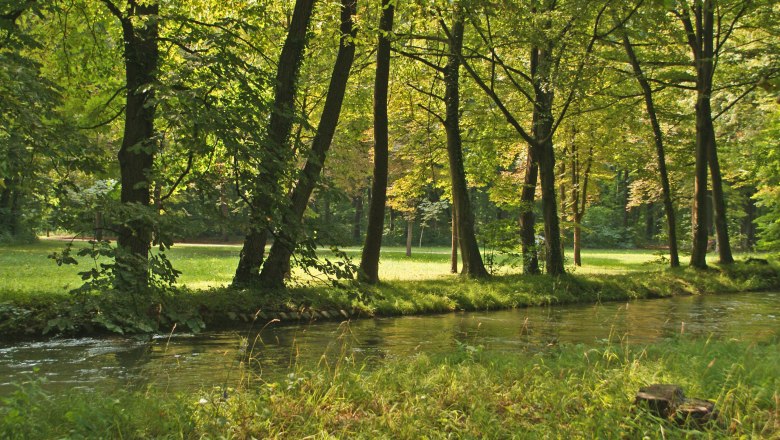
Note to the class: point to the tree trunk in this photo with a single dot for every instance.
(409, 236)
(276, 146)
(278, 263)
(701, 40)
(455, 244)
(562, 189)
(136, 154)
(671, 224)
(251, 257)
(541, 63)
(718, 199)
(577, 240)
(704, 73)
(527, 216)
(469, 249)
(98, 225)
(369, 260)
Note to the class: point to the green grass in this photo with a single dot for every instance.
(33, 292)
(26, 270)
(568, 391)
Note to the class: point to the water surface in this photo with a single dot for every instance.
(185, 361)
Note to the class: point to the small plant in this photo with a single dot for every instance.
(103, 301)
(323, 269)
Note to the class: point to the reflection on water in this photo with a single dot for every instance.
(219, 358)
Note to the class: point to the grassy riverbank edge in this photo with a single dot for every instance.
(565, 391)
(28, 315)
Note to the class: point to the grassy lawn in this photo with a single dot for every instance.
(26, 270)
(34, 290)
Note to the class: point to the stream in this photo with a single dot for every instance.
(218, 358)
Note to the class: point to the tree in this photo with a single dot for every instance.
(647, 93)
(469, 249)
(702, 42)
(140, 32)
(287, 235)
(369, 261)
(538, 85)
(276, 148)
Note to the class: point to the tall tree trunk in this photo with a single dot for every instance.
(577, 241)
(136, 154)
(469, 249)
(562, 189)
(671, 224)
(527, 216)
(276, 146)
(409, 236)
(454, 244)
(369, 260)
(541, 63)
(580, 202)
(718, 199)
(701, 42)
(288, 234)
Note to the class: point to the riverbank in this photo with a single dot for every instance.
(30, 315)
(563, 391)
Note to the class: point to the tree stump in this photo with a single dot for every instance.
(669, 401)
(661, 399)
(695, 411)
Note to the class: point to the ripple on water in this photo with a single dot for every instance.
(187, 361)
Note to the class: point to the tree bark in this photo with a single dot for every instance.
(369, 261)
(278, 263)
(541, 63)
(527, 216)
(409, 236)
(455, 244)
(663, 174)
(276, 147)
(701, 41)
(718, 199)
(469, 249)
(579, 196)
(136, 154)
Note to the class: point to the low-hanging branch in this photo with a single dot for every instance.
(420, 59)
(106, 122)
(425, 92)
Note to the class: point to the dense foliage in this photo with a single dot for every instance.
(520, 126)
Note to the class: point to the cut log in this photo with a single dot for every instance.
(660, 399)
(669, 401)
(696, 411)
